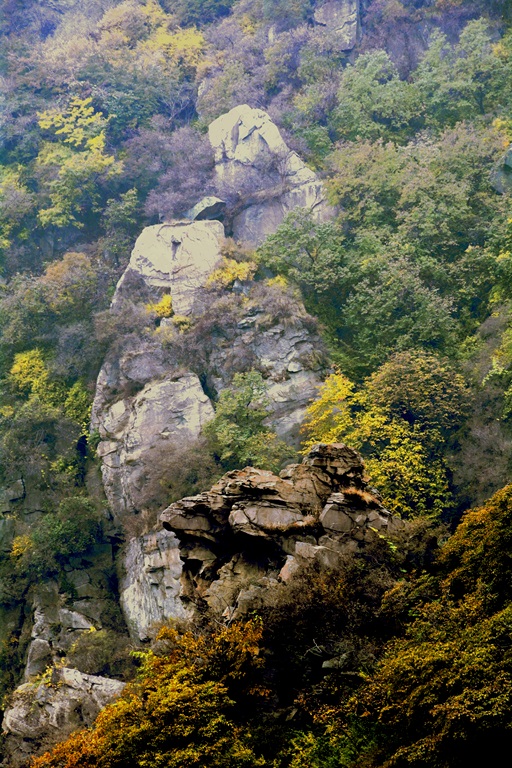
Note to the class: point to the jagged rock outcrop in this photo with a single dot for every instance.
(253, 163)
(44, 713)
(156, 388)
(11, 494)
(254, 529)
(342, 19)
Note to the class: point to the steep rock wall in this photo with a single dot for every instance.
(254, 164)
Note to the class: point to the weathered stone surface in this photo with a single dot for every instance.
(341, 18)
(168, 411)
(260, 527)
(170, 406)
(177, 257)
(150, 589)
(42, 715)
(253, 161)
(56, 614)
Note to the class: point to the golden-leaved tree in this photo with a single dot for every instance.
(400, 420)
(186, 708)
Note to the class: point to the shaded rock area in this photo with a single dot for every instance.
(52, 700)
(57, 612)
(255, 167)
(46, 712)
(254, 529)
(501, 178)
(210, 207)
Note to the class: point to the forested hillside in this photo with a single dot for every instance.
(403, 109)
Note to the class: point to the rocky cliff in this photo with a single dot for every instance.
(221, 553)
(156, 390)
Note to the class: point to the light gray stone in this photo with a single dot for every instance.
(7, 532)
(178, 257)
(249, 146)
(41, 715)
(150, 589)
(260, 519)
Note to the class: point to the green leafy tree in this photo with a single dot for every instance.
(462, 81)
(71, 168)
(70, 531)
(239, 435)
(374, 103)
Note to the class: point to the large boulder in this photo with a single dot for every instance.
(176, 257)
(43, 713)
(501, 177)
(254, 166)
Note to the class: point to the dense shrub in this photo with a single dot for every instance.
(69, 532)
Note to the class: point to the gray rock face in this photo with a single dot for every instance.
(317, 511)
(151, 588)
(254, 163)
(342, 19)
(41, 715)
(165, 410)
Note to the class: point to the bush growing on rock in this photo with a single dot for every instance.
(238, 435)
(70, 531)
(183, 710)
